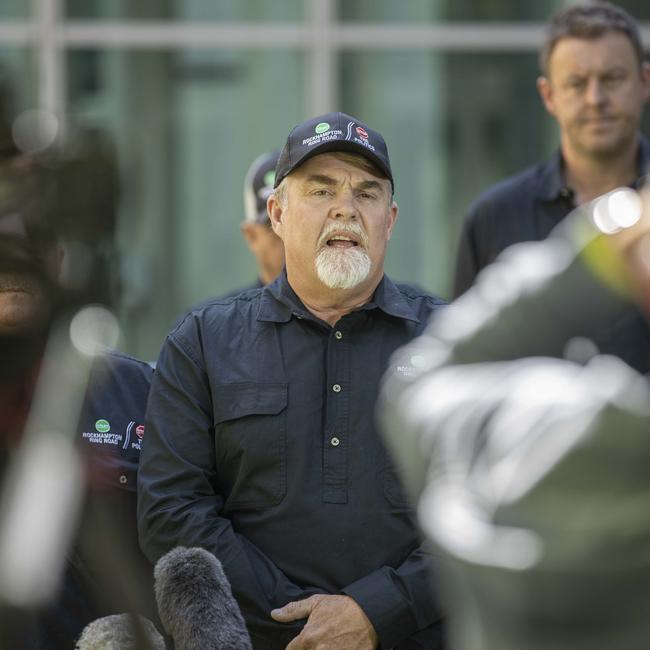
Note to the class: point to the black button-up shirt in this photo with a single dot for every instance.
(261, 447)
(524, 207)
(527, 207)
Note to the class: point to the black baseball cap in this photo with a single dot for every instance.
(332, 132)
(258, 186)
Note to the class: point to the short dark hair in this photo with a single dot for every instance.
(589, 20)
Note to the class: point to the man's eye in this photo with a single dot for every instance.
(366, 195)
(321, 192)
(576, 84)
(613, 78)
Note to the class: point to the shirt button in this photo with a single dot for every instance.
(123, 479)
(336, 388)
(335, 442)
(338, 335)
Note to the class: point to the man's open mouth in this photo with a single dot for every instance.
(341, 241)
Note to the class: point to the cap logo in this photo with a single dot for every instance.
(269, 178)
(102, 426)
(139, 431)
(321, 127)
(362, 132)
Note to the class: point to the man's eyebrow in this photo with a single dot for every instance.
(321, 179)
(370, 185)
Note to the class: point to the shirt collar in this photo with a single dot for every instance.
(551, 183)
(279, 302)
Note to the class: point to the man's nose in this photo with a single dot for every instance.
(345, 206)
(595, 93)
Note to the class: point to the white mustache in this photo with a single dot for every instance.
(341, 228)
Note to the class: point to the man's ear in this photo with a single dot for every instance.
(250, 232)
(546, 93)
(275, 211)
(394, 211)
(645, 77)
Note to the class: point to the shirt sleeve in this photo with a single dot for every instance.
(178, 499)
(399, 602)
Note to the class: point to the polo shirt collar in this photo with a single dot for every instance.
(279, 302)
(391, 301)
(551, 183)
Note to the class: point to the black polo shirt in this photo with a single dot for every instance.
(261, 447)
(106, 573)
(527, 207)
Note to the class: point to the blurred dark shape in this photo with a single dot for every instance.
(29, 295)
(530, 470)
(85, 187)
(8, 148)
(40, 215)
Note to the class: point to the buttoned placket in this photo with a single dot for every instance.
(335, 431)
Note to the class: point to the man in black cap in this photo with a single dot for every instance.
(261, 444)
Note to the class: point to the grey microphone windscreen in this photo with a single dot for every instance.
(118, 632)
(196, 604)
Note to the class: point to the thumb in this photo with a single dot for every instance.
(295, 610)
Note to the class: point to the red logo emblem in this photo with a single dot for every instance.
(362, 132)
(139, 431)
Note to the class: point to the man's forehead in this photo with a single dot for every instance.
(326, 166)
(608, 50)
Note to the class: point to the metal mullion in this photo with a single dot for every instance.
(323, 72)
(17, 33)
(164, 35)
(50, 57)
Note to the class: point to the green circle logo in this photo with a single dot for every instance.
(102, 426)
(269, 178)
(321, 127)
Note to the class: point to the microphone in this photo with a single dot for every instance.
(119, 631)
(195, 602)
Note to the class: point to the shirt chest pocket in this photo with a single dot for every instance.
(250, 429)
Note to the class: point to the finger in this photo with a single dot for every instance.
(294, 610)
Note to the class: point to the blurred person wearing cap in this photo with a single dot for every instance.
(527, 451)
(261, 444)
(260, 237)
(110, 428)
(594, 82)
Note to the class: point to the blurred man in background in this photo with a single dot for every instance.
(263, 243)
(595, 84)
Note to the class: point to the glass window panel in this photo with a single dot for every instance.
(439, 10)
(389, 11)
(14, 9)
(186, 126)
(198, 10)
(455, 124)
(18, 90)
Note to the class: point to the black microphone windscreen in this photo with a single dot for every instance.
(118, 631)
(195, 602)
